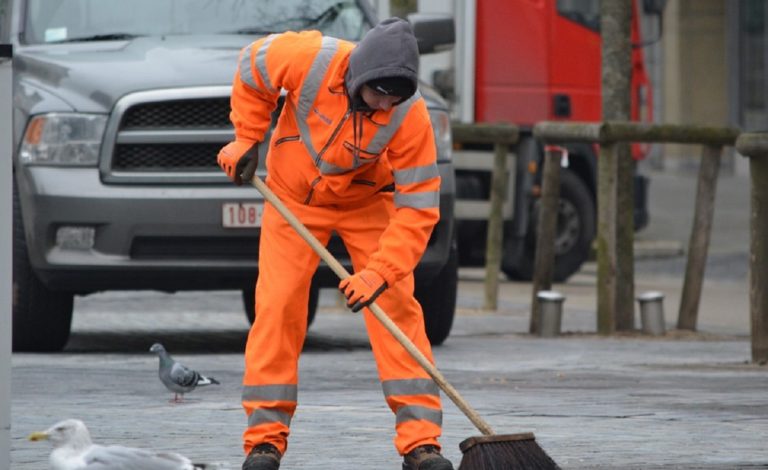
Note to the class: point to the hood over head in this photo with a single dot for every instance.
(387, 51)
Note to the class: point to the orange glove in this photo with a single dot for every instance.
(361, 289)
(235, 157)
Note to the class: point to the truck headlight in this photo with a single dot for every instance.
(441, 126)
(63, 139)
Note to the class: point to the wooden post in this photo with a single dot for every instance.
(755, 146)
(606, 240)
(758, 259)
(546, 229)
(625, 238)
(495, 227)
(615, 269)
(501, 135)
(698, 245)
(615, 224)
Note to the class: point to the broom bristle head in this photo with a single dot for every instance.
(504, 452)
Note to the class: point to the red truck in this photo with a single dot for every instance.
(525, 61)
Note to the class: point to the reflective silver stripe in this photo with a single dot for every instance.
(310, 88)
(417, 174)
(279, 392)
(261, 62)
(418, 200)
(415, 412)
(410, 387)
(263, 416)
(246, 73)
(331, 169)
(384, 134)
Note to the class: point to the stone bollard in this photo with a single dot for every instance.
(551, 312)
(652, 312)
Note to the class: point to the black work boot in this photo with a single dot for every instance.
(263, 457)
(426, 458)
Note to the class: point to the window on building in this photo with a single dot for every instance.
(584, 12)
(752, 83)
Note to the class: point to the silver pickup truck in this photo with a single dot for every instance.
(120, 108)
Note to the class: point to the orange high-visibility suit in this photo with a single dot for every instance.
(370, 176)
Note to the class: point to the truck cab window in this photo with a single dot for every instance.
(50, 21)
(584, 12)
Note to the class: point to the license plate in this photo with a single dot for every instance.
(241, 214)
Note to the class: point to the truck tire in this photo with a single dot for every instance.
(438, 300)
(575, 232)
(249, 304)
(42, 318)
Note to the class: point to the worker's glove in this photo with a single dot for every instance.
(362, 289)
(239, 161)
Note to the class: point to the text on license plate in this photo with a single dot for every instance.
(241, 214)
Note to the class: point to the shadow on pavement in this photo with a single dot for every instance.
(192, 342)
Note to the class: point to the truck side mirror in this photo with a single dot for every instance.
(434, 32)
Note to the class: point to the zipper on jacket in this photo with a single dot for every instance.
(353, 149)
(333, 136)
(312, 190)
(286, 139)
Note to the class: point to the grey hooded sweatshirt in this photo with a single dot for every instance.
(388, 50)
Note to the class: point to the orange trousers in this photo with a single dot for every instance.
(286, 266)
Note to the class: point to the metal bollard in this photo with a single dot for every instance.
(551, 312)
(652, 312)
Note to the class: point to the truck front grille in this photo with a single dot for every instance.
(167, 137)
(202, 113)
(159, 157)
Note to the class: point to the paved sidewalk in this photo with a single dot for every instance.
(683, 401)
(680, 401)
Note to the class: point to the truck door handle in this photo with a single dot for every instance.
(561, 105)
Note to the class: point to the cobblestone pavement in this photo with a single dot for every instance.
(679, 401)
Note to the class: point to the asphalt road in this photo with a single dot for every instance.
(671, 203)
(683, 400)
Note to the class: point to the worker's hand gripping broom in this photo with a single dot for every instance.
(490, 451)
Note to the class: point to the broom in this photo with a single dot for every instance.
(488, 452)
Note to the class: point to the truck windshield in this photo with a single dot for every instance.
(51, 21)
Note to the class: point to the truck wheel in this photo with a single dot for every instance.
(42, 318)
(249, 304)
(575, 231)
(438, 300)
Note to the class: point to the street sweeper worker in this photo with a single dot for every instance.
(352, 153)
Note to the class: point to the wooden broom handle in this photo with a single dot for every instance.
(342, 273)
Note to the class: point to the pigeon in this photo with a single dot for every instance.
(177, 377)
(74, 450)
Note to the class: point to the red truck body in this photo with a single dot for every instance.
(554, 66)
(540, 60)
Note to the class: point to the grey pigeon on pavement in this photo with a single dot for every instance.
(74, 450)
(177, 377)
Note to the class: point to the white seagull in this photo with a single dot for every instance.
(74, 450)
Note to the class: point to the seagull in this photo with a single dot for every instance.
(74, 450)
(177, 377)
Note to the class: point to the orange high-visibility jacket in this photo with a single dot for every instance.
(326, 152)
